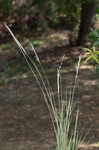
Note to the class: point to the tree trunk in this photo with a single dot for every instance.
(88, 14)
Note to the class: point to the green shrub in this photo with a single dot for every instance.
(94, 37)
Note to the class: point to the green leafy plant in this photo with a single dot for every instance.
(94, 37)
(60, 110)
(92, 54)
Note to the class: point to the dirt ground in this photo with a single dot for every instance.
(24, 119)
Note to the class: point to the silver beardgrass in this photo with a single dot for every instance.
(61, 116)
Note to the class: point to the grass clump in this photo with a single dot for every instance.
(60, 111)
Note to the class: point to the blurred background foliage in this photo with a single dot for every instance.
(28, 18)
(39, 15)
